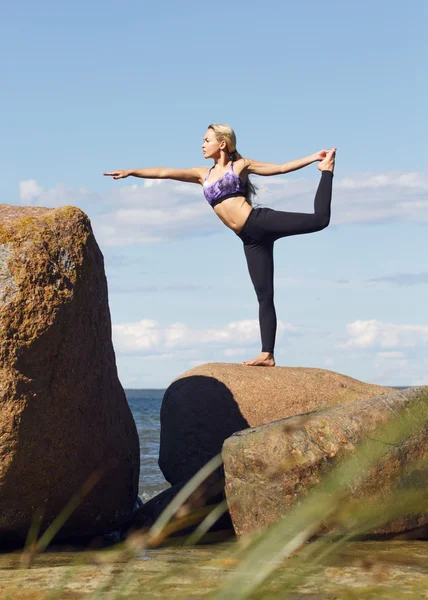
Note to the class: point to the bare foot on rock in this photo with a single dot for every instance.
(328, 163)
(265, 359)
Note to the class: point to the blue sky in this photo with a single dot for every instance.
(92, 87)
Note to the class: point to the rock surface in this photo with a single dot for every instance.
(361, 570)
(191, 513)
(209, 403)
(270, 469)
(63, 413)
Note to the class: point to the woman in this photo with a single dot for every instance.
(228, 190)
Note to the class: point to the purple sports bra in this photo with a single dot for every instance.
(227, 186)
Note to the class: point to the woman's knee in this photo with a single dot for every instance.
(265, 297)
(322, 221)
(326, 221)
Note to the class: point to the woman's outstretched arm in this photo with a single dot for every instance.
(260, 168)
(194, 175)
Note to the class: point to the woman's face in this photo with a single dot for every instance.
(211, 146)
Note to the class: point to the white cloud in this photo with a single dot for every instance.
(380, 198)
(29, 190)
(152, 212)
(390, 355)
(196, 363)
(147, 336)
(233, 352)
(399, 279)
(360, 198)
(399, 368)
(397, 358)
(140, 336)
(373, 333)
(33, 194)
(392, 368)
(391, 362)
(373, 181)
(402, 279)
(157, 357)
(158, 210)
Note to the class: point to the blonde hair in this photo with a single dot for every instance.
(226, 133)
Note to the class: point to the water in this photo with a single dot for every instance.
(145, 406)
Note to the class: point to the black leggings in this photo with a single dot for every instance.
(261, 229)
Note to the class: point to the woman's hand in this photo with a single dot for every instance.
(119, 174)
(320, 155)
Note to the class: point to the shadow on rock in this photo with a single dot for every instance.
(198, 413)
(193, 511)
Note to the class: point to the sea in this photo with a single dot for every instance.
(145, 406)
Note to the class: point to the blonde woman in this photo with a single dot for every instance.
(229, 191)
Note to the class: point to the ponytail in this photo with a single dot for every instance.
(251, 188)
(226, 133)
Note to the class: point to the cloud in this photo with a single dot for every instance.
(371, 334)
(392, 368)
(382, 180)
(148, 336)
(33, 194)
(234, 352)
(400, 368)
(155, 211)
(361, 198)
(399, 279)
(390, 355)
(381, 198)
(313, 282)
(29, 190)
(140, 336)
(196, 363)
(402, 279)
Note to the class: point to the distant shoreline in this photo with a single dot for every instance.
(136, 393)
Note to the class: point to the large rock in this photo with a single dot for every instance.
(63, 413)
(272, 468)
(207, 404)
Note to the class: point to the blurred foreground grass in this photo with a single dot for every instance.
(293, 559)
(372, 570)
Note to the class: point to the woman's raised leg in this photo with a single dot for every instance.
(276, 224)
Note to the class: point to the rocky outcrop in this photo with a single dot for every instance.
(63, 413)
(209, 403)
(272, 468)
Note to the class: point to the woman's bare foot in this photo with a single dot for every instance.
(328, 163)
(265, 359)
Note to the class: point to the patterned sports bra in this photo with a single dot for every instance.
(227, 186)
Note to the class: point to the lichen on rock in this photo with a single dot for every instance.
(8, 288)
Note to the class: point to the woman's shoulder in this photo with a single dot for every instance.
(240, 166)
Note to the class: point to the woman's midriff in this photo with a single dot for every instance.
(233, 212)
